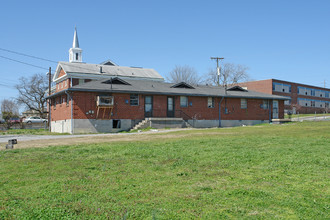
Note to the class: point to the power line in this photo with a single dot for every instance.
(23, 63)
(10, 86)
(23, 54)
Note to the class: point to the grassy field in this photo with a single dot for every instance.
(259, 172)
(30, 132)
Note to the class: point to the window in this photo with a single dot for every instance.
(265, 104)
(60, 100)
(287, 102)
(116, 123)
(104, 101)
(183, 101)
(244, 103)
(134, 99)
(67, 100)
(280, 87)
(77, 56)
(210, 102)
(313, 103)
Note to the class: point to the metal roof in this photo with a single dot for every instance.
(75, 43)
(163, 88)
(108, 70)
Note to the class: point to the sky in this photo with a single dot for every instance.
(286, 40)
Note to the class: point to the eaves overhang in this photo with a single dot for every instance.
(272, 97)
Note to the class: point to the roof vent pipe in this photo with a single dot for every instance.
(100, 69)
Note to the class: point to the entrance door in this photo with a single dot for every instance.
(170, 106)
(275, 109)
(148, 106)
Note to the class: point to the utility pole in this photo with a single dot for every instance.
(49, 91)
(218, 67)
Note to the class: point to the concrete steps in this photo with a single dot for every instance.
(162, 123)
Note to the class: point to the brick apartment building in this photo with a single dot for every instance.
(110, 98)
(304, 98)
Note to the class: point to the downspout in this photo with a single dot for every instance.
(220, 111)
(66, 92)
(269, 110)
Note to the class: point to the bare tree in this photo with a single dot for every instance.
(185, 74)
(32, 92)
(9, 106)
(230, 74)
(9, 109)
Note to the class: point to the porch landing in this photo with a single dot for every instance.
(162, 123)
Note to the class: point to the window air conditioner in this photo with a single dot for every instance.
(104, 101)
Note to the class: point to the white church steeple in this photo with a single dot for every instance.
(75, 52)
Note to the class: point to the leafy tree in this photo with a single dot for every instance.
(185, 74)
(32, 92)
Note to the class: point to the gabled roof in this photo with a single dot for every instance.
(237, 88)
(117, 81)
(182, 85)
(98, 71)
(108, 62)
(162, 88)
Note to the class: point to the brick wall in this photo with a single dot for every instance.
(62, 85)
(264, 86)
(60, 111)
(85, 108)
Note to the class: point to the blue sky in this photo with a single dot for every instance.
(287, 40)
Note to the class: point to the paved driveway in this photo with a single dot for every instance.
(312, 118)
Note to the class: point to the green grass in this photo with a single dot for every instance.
(259, 172)
(30, 132)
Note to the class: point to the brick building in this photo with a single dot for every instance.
(116, 104)
(304, 98)
(109, 98)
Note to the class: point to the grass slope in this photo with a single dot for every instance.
(271, 171)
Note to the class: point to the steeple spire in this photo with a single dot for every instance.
(75, 43)
(75, 52)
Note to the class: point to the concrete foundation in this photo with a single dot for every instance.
(112, 126)
(91, 126)
(224, 123)
(62, 126)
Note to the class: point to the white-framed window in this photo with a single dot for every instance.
(243, 103)
(54, 102)
(183, 101)
(265, 104)
(210, 102)
(104, 101)
(134, 99)
(67, 100)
